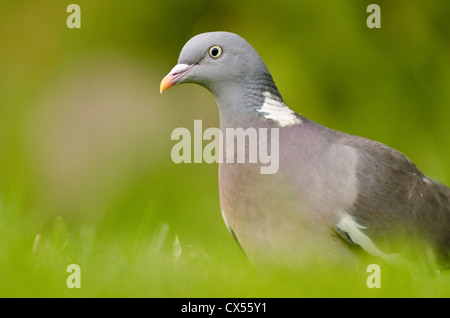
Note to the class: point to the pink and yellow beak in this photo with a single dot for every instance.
(174, 76)
(166, 83)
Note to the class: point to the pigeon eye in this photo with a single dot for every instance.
(215, 51)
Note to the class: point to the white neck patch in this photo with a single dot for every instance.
(278, 111)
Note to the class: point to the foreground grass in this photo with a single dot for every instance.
(136, 261)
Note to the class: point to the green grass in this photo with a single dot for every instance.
(145, 261)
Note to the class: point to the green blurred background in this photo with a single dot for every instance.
(85, 170)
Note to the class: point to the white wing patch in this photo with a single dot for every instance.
(278, 111)
(226, 223)
(348, 225)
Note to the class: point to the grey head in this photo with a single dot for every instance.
(227, 65)
(213, 60)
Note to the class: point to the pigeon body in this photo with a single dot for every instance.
(332, 191)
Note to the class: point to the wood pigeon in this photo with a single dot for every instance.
(332, 191)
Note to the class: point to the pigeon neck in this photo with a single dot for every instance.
(258, 87)
(240, 103)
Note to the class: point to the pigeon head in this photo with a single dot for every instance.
(216, 61)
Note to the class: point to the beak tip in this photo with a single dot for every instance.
(165, 84)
